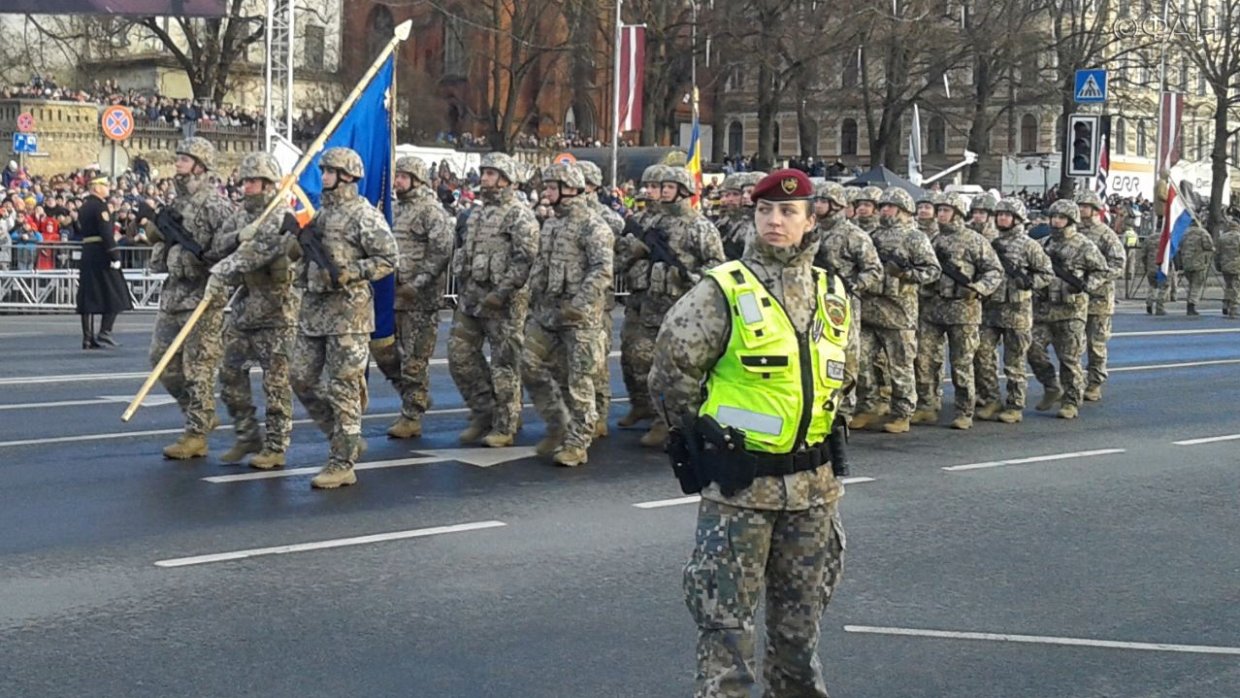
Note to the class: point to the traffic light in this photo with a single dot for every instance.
(1082, 144)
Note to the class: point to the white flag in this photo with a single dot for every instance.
(914, 149)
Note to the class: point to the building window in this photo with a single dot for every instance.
(454, 56)
(848, 137)
(1141, 138)
(382, 26)
(852, 68)
(1235, 150)
(1201, 144)
(736, 138)
(315, 45)
(1123, 8)
(936, 140)
(1201, 83)
(1120, 139)
(1028, 134)
(1184, 75)
(735, 80)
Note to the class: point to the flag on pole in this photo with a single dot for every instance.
(1104, 166)
(694, 163)
(1176, 220)
(914, 149)
(632, 53)
(367, 129)
(1170, 131)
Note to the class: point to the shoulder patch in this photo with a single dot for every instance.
(835, 309)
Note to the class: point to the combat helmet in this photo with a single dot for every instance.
(733, 182)
(1089, 197)
(501, 163)
(415, 167)
(1066, 208)
(832, 192)
(955, 202)
(566, 174)
(1014, 206)
(259, 166)
(680, 177)
(200, 149)
(927, 197)
(592, 173)
(897, 197)
(345, 160)
(871, 194)
(983, 202)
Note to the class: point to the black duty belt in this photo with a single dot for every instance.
(777, 464)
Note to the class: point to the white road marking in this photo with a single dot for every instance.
(326, 544)
(1207, 440)
(1043, 640)
(1186, 364)
(14, 335)
(694, 499)
(1034, 459)
(480, 457)
(1162, 333)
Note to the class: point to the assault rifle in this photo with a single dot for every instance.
(660, 251)
(312, 248)
(1068, 277)
(1013, 272)
(953, 272)
(170, 225)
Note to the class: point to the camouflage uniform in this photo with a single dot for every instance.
(602, 377)
(937, 354)
(262, 325)
(889, 314)
(848, 252)
(695, 243)
(492, 269)
(985, 203)
(1102, 301)
(332, 347)
(730, 220)
(190, 376)
(780, 539)
(631, 265)
(871, 194)
(1227, 260)
(1196, 252)
(1007, 316)
(1060, 312)
(423, 232)
(1156, 289)
(954, 312)
(569, 285)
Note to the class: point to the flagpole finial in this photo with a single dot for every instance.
(404, 29)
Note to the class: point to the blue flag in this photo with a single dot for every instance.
(367, 129)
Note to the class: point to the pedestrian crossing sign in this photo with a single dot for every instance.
(1091, 86)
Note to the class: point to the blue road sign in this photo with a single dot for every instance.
(1091, 86)
(25, 143)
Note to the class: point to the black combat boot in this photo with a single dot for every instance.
(837, 446)
(105, 331)
(88, 332)
(1192, 309)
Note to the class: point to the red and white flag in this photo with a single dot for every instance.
(1104, 168)
(632, 55)
(1170, 131)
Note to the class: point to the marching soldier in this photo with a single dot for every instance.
(981, 216)
(492, 269)
(569, 286)
(602, 377)
(1196, 253)
(332, 346)
(263, 321)
(928, 223)
(768, 522)
(1007, 315)
(848, 252)
(1060, 310)
(1156, 288)
(1102, 302)
(682, 246)
(730, 215)
(1227, 260)
(423, 232)
(889, 315)
(953, 310)
(196, 217)
(631, 264)
(927, 218)
(865, 203)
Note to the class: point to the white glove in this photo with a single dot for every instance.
(116, 264)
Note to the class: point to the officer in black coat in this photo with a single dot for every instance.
(101, 284)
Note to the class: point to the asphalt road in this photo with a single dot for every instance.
(1077, 559)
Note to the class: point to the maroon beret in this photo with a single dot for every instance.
(783, 185)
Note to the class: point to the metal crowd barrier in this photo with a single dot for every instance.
(56, 289)
(53, 256)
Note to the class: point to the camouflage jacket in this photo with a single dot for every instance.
(694, 336)
(1074, 254)
(867, 223)
(1227, 256)
(1011, 305)
(848, 251)
(631, 263)
(424, 235)
(357, 238)
(613, 220)
(986, 230)
(694, 243)
(737, 230)
(1196, 249)
(1149, 253)
(929, 227)
(260, 268)
(894, 304)
(206, 215)
(501, 241)
(974, 258)
(1102, 301)
(573, 267)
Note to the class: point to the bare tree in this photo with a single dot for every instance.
(211, 46)
(668, 66)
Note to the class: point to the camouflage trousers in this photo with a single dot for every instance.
(636, 355)
(190, 376)
(1068, 338)
(492, 391)
(1015, 349)
(559, 369)
(852, 364)
(416, 331)
(1229, 290)
(269, 348)
(961, 342)
(1097, 334)
(1196, 285)
(328, 374)
(899, 348)
(794, 559)
(602, 375)
(1155, 291)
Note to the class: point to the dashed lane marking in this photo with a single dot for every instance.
(1034, 459)
(1207, 440)
(1043, 640)
(694, 499)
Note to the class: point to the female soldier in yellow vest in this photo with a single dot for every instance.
(764, 336)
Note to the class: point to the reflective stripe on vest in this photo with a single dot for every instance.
(779, 387)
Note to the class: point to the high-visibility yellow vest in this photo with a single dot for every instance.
(780, 387)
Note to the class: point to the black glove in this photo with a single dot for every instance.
(146, 211)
